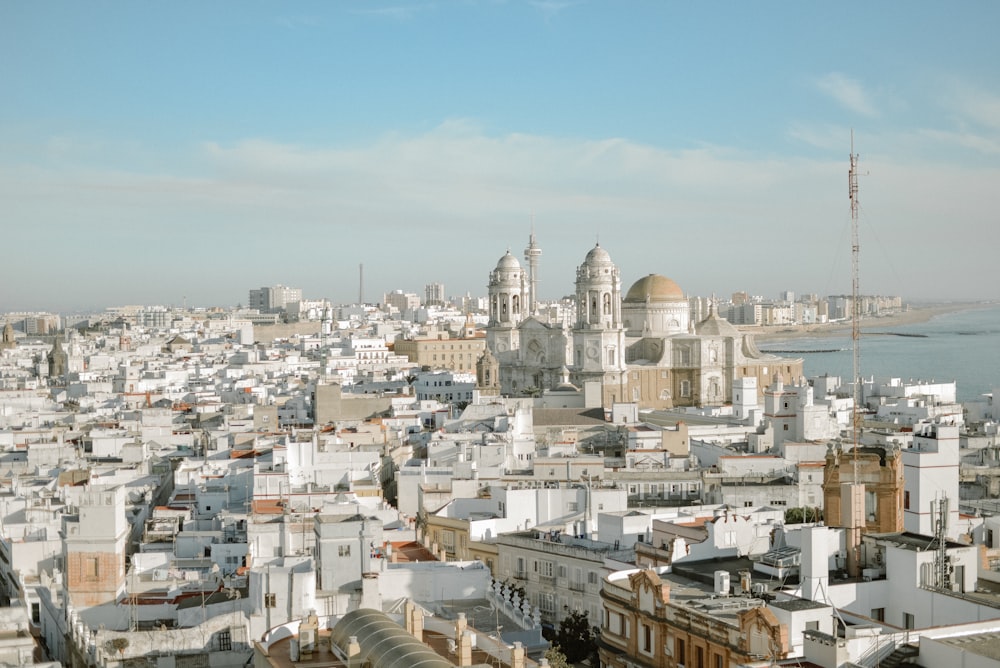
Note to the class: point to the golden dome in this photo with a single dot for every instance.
(655, 288)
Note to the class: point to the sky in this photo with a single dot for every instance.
(185, 152)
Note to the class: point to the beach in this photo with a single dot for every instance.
(912, 315)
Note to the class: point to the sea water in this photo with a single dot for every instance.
(963, 346)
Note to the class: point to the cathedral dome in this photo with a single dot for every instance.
(508, 263)
(597, 256)
(654, 288)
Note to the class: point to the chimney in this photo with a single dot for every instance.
(353, 651)
(460, 625)
(465, 649)
(417, 623)
(517, 656)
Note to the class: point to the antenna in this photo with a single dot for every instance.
(852, 186)
(853, 516)
(942, 564)
(361, 283)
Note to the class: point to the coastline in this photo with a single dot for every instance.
(913, 315)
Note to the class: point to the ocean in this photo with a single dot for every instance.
(963, 346)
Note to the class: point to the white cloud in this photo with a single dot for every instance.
(395, 12)
(442, 205)
(971, 140)
(848, 93)
(976, 105)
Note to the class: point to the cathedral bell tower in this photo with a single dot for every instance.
(508, 300)
(598, 336)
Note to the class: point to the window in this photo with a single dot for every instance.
(685, 388)
(270, 600)
(592, 578)
(225, 641)
(812, 626)
(91, 569)
(647, 638)
(784, 427)
(878, 614)
(344, 550)
(908, 621)
(906, 501)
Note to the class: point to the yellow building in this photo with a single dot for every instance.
(659, 623)
(442, 351)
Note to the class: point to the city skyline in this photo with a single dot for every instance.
(152, 154)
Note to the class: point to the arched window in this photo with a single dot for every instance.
(607, 304)
(515, 304)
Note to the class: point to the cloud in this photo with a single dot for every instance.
(972, 105)
(443, 204)
(848, 93)
(396, 12)
(977, 142)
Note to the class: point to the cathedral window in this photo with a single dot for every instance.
(607, 304)
(515, 302)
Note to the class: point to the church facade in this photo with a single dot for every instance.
(644, 347)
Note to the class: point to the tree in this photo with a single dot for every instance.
(801, 515)
(119, 644)
(555, 657)
(575, 637)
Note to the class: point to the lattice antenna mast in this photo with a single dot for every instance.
(852, 179)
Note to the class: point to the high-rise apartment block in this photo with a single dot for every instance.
(274, 299)
(434, 294)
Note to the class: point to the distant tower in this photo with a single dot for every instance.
(361, 284)
(8, 341)
(488, 374)
(531, 255)
(58, 360)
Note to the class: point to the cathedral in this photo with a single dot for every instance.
(644, 348)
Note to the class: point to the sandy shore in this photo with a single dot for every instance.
(914, 315)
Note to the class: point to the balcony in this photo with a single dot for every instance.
(547, 580)
(520, 575)
(577, 586)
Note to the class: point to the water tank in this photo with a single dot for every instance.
(722, 583)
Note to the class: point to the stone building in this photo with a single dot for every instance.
(442, 351)
(653, 619)
(643, 348)
(880, 471)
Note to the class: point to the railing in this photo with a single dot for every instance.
(521, 575)
(577, 586)
(547, 579)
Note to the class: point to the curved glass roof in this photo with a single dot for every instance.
(384, 643)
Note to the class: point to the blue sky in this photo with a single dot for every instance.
(152, 152)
